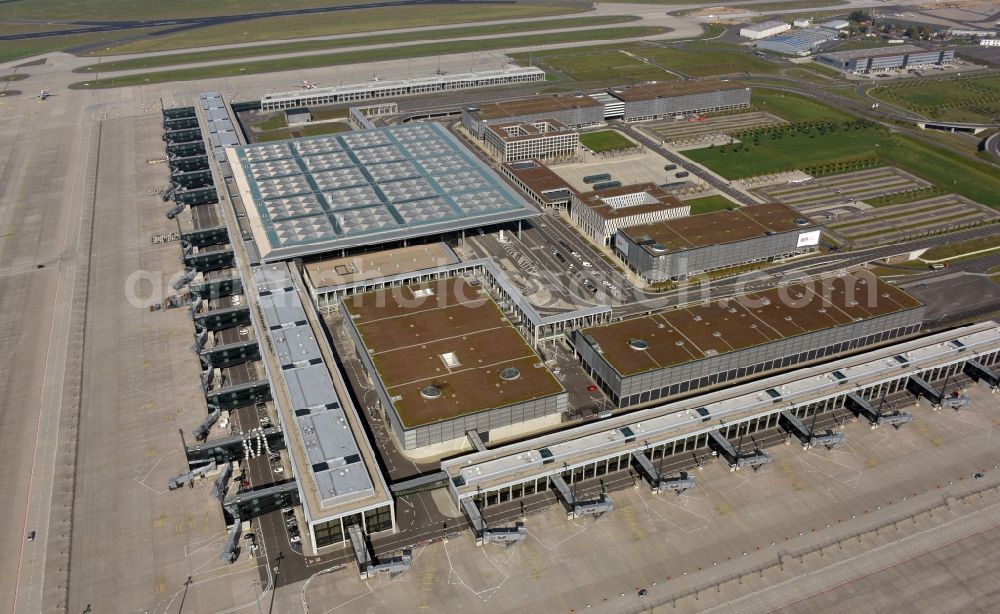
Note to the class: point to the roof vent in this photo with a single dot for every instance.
(638, 344)
(801, 221)
(509, 374)
(430, 392)
(678, 342)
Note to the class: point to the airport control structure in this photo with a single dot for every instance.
(305, 256)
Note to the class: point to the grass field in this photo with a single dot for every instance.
(262, 50)
(643, 62)
(367, 55)
(951, 250)
(282, 134)
(973, 179)
(794, 108)
(961, 99)
(358, 21)
(605, 140)
(708, 204)
(788, 5)
(15, 77)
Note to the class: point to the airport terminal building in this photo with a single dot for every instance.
(674, 249)
(665, 354)
(378, 90)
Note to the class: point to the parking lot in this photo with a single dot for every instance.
(690, 133)
(883, 225)
(882, 498)
(827, 198)
(630, 167)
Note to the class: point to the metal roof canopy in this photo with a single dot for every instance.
(335, 460)
(310, 196)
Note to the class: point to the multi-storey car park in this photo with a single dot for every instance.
(648, 101)
(377, 90)
(573, 110)
(674, 352)
(366, 188)
(445, 361)
(674, 249)
(864, 61)
(674, 434)
(602, 213)
(542, 139)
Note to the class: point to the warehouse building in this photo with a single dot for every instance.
(539, 183)
(572, 110)
(758, 31)
(864, 61)
(545, 139)
(674, 352)
(798, 42)
(359, 190)
(445, 361)
(674, 249)
(664, 433)
(662, 100)
(600, 214)
(376, 90)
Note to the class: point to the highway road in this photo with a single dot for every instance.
(993, 146)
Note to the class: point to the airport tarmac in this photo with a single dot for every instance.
(803, 526)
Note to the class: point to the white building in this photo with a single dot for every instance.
(542, 139)
(375, 90)
(836, 24)
(602, 213)
(990, 42)
(802, 23)
(758, 31)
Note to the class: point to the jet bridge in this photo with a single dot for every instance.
(252, 503)
(203, 429)
(756, 460)
(808, 437)
(921, 388)
(484, 534)
(237, 447)
(576, 508)
(981, 373)
(657, 483)
(367, 567)
(231, 550)
(876, 418)
(190, 476)
(221, 484)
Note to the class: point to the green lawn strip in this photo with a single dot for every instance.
(788, 4)
(17, 49)
(908, 196)
(708, 204)
(362, 56)
(896, 216)
(622, 62)
(605, 140)
(794, 108)
(272, 123)
(212, 55)
(939, 220)
(940, 252)
(106, 10)
(320, 113)
(324, 128)
(15, 77)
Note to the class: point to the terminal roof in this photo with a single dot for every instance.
(718, 227)
(533, 106)
(449, 335)
(657, 200)
(668, 89)
(692, 333)
(308, 196)
(334, 272)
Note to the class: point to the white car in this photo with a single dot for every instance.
(586, 264)
(278, 469)
(295, 539)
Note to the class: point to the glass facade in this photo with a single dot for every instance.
(733, 431)
(334, 532)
